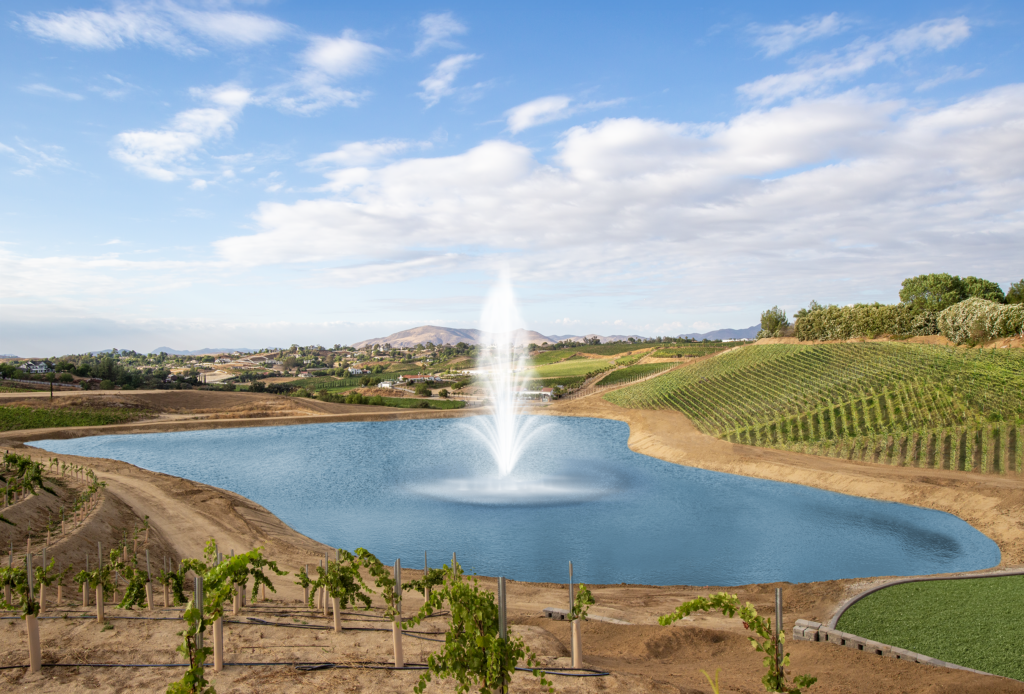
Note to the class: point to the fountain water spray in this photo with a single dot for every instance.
(507, 430)
(504, 364)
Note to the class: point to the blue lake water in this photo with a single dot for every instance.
(356, 485)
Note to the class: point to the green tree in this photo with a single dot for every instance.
(1015, 295)
(443, 392)
(773, 322)
(975, 287)
(933, 292)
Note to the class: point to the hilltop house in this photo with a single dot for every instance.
(35, 367)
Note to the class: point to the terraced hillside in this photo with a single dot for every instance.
(895, 403)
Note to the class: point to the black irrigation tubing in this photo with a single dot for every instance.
(313, 667)
(564, 671)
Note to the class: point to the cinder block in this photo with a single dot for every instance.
(903, 654)
(876, 647)
(808, 624)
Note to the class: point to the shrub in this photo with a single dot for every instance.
(424, 390)
(106, 385)
(977, 320)
(865, 320)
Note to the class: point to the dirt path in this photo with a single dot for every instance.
(642, 656)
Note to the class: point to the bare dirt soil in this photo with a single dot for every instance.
(623, 637)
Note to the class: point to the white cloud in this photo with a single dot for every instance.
(822, 71)
(780, 38)
(164, 25)
(363, 153)
(436, 30)
(342, 56)
(439, 83)
(548, 109)
(538, 111)
(844, 187)
(170, 153)
(326, 60)
(47, 90)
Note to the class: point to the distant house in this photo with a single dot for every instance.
(419, 378)
(35, 367)
(355, 371)
(386, 384)
(171, 378)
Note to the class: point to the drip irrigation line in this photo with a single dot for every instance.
(314, 667)
(567, 671)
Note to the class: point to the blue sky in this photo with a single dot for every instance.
(199, 174)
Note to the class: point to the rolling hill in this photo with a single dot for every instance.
(441, 336)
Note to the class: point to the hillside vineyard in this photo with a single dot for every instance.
(906, 404)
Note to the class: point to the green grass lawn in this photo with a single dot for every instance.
(432, 404)
(13, 418)
(977, 623)
(573, 367)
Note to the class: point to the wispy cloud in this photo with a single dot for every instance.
(822, 71)
(950, 74)
(168, 154)
(119, 89)
(325, 61)
(437, 30)
(777, 39)
(32, 159)
(164, 25)
(439, 83)
(363, 153)
(47, 90)
(548, 109)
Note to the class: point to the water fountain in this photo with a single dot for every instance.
(507, 430)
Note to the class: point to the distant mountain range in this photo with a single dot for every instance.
(451, 336)
(441, 336)
(727, 334)
(198, 352)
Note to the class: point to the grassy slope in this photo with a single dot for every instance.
(12, 418)
(971, 622)
(572, 367)
(920, 405)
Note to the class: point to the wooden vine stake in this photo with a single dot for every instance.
(396, 626)
(576, 628)
(149, 584)
(99, 588)
(35, 656)
(42, 588)
(305, 590)
(218, 644)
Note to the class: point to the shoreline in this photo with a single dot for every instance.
(992, 504)
(623, 635)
